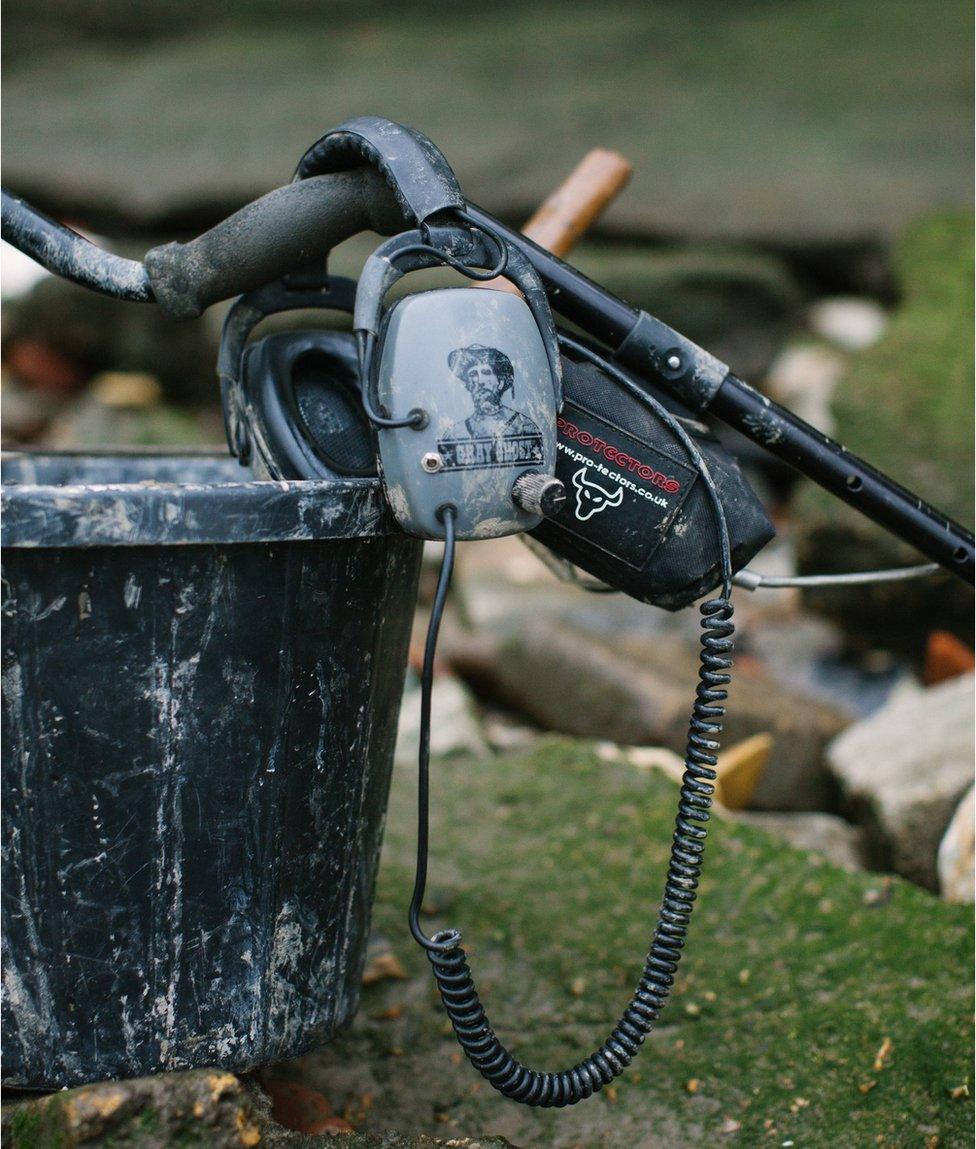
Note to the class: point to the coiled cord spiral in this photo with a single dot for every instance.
(447, 957)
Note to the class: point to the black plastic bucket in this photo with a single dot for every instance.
(202, 675)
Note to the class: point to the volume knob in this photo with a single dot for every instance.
(538, 493)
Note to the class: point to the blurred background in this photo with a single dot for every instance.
(801, 204)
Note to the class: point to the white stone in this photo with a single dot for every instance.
(455, 723)
(904, 769)
(803, 378)
(825, 834)
(848, 322)
(957, 853)
(20, 272)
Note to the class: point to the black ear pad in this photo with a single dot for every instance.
(301, 389)
(325, 391)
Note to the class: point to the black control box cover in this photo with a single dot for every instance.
(637, 514)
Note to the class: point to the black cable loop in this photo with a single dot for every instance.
(417, 418)
(365, 341)
(482, 275)
(455, 982)
(446, 515)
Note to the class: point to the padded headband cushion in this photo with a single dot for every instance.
(416, 170)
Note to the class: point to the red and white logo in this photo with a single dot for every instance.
(615, 455)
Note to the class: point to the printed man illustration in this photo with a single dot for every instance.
(494, 435)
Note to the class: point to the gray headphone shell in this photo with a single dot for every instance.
(475, 361)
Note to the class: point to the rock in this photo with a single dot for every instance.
(43, 370)
(81, 334)
(644, 758)
(297, 1107)
(902, 772)
(504, 733)
(26, 412)
(149, 127)
(849, 322)
(956, 863)
(825, 834)
(201, 1107)
(803, 379)
(455, 723)
(123, 409)
(20, 272)
(906, 406)
(640, 693)
(738, 303)
(946, 657)
(336, 1125)
(740, 769)
(570, 682)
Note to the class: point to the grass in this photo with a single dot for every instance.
(905, 405)
(813, 1007)
(34, 1127)
(795, 977)
(908, 402)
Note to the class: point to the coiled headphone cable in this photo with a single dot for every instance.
(447, 957)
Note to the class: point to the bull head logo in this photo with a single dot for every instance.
(591, 498)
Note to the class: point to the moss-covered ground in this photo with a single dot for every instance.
(906, 405)
(813, 1007)
(907, 402)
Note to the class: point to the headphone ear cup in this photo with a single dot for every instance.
(326, 394)
(302, 389)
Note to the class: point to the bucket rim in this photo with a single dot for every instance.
(142, 511)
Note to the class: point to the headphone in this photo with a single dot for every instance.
(461, 398)
(293, 402)
(324, 404)
(447, 441)
(290, 401)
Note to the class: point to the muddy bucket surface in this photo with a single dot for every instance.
(201, 681)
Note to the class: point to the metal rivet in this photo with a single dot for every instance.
(674, 362)
(432, 462)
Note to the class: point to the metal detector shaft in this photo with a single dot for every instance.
(294, 224)
(607, 318)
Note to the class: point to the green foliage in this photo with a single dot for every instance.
(148, 1120)
(907, 403)
(796, 973)
(34, 1127)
